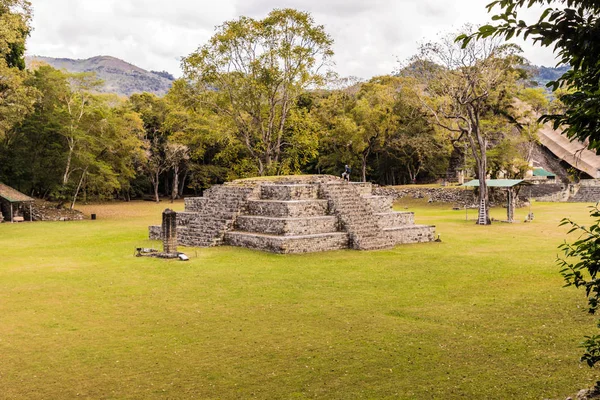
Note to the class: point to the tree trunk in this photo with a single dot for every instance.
(78, 188)
(155, 184)
(364, 167)
(182, 183)
(175, 186)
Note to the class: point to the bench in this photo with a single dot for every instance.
(18, 219)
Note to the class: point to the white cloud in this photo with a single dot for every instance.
(369, 35)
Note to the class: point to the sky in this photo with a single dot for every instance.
(370, 36)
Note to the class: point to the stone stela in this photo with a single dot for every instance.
(295, 214)
(169, 232)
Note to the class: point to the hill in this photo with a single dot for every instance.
(119, 76)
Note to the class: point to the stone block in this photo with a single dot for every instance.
(287, 226)
(155, 232)
(379, 204)
(288, 244)
(287, 209)
(392, 219)
(411, 234)
(289, 192)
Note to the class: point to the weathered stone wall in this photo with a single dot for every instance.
(412, 234)
(195, 204)
(289, 192)
(587, 191)
(287, 226)
(290, 209)
(457, 196)
(287, 244)
(218, 211)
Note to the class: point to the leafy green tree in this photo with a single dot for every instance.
(16, 98)
(253, 72)
(571, 27)
(468, 90)
(15, 19)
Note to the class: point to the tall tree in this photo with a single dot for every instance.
(16, 99)
(258, 69)
(15, 19)
(470, 95)
(571, 27)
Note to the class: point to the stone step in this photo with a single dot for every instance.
(289, 192)
(380, 204)
(288, 244)
(364, 188)
(411, 234)
(287, 226)
(287, 209)
(393, 219)
(195, 204)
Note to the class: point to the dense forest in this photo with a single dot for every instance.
(263, 99)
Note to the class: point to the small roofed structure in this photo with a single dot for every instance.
(11, 201)
(542, 173)
(511, 185)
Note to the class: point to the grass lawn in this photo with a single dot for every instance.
(482, 315)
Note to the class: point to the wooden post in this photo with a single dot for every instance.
(30, 212)
(510, 209)
(11, 213)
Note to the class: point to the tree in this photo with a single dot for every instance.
(16, 99)
(15, 19)
(253, 71)
(468, 91)
(571, 27)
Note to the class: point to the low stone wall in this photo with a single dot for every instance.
(289, 244)
(412, 234)
(441, 194)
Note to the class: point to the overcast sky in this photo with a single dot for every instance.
(370, 35)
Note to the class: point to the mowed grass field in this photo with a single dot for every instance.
(481, 315)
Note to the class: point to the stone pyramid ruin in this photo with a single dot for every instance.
(296, 214)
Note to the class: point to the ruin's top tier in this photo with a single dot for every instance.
(286, 180)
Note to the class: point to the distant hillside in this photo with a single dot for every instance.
(543, 75)
(119, 76)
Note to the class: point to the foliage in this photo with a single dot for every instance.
(15, 19)
(469, 91)
(253, 71)
(571, 27)
(580, 268)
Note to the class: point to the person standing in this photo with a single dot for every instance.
(346, 174)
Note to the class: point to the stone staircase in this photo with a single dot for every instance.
(316, 214)
(206, 219)
(370, 220)
(288, 218)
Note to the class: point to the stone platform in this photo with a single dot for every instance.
(295, 215)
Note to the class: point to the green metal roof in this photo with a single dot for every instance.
(502, 183)
(542, 172)
(13, 195)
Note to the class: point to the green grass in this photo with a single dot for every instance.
(482, 315)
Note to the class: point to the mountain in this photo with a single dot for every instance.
(542, 75)
(119, 76)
